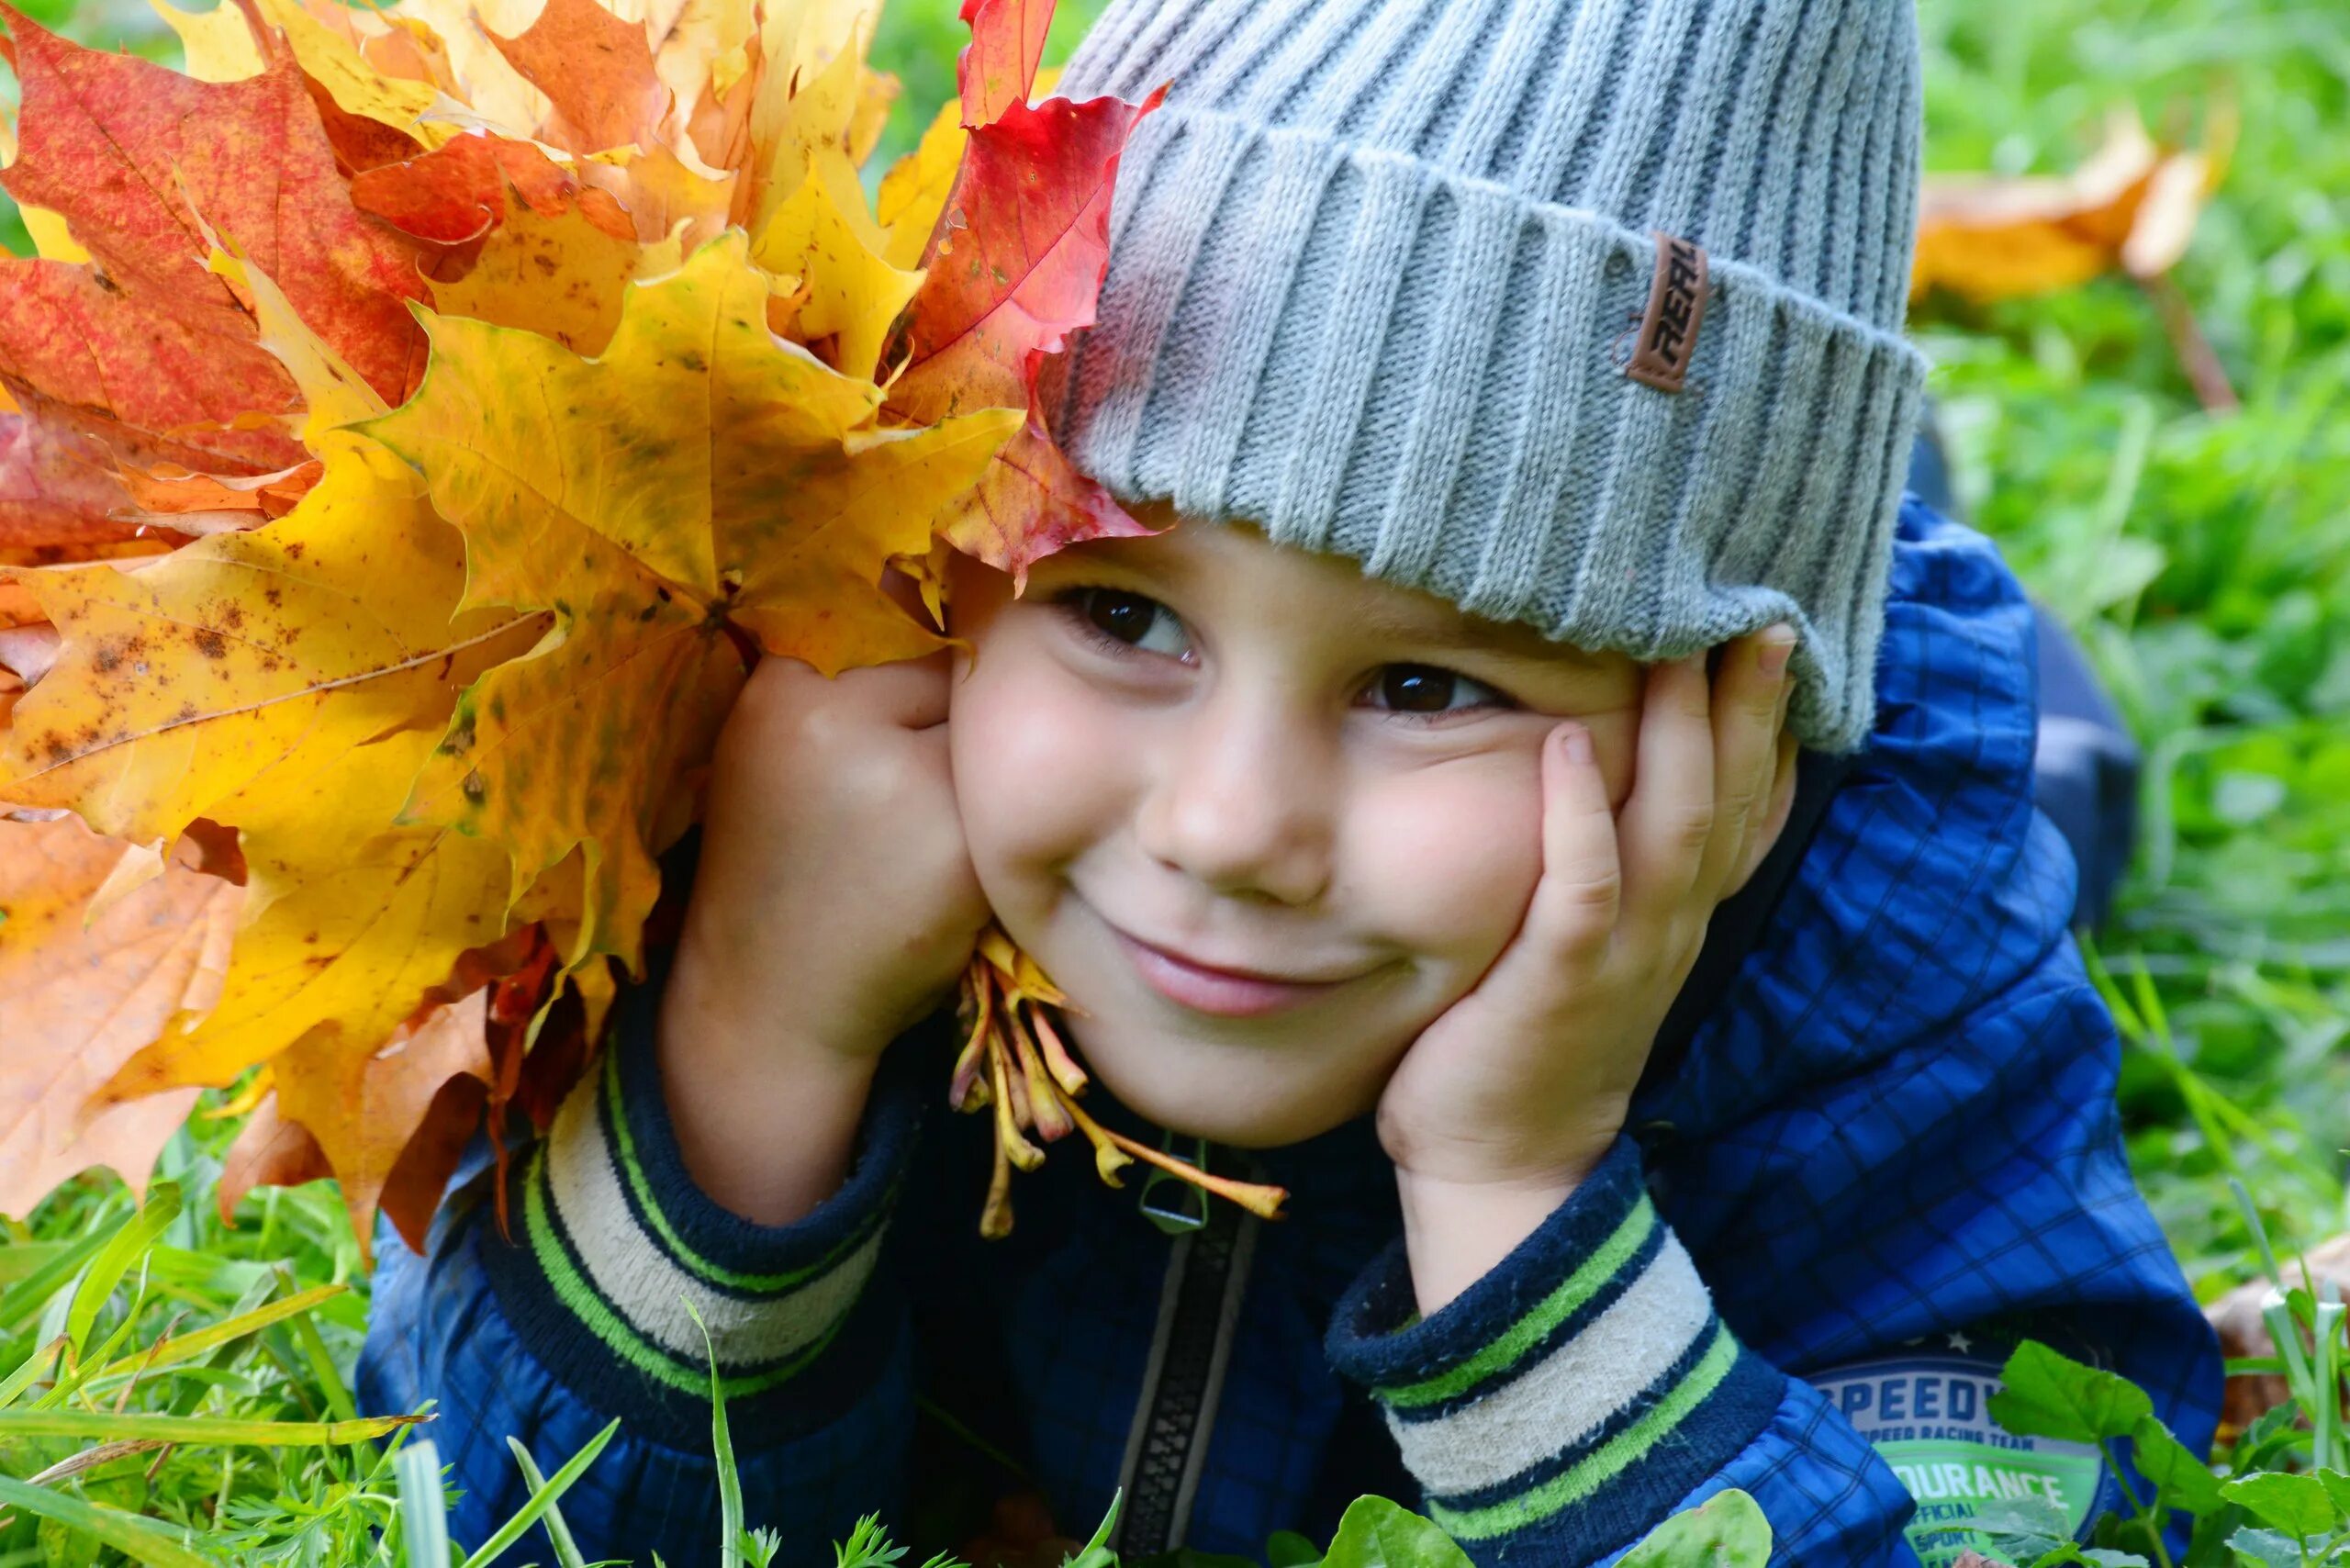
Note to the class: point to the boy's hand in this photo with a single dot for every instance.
(1507, 1099)
(834, 906)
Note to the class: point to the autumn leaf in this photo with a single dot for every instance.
(1016, 265)
(914, 191)
(345, 933)
(459, 190)
(268, 1151)
(1019, 264)
(58, 488)
(450, 652)
(848, 293)
(184, 678)
(217, 44)
(2131, 206)
(1000, 62)
(597, 69)
(138, 159)
(701, 474)
(362, 1103)
(77, 1000)
(562, 276)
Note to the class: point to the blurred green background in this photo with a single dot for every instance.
(2204, 559)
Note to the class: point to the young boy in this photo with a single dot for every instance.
(1549, 804)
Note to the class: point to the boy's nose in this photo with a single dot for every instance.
(1241, 801)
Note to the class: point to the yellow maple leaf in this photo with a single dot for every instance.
(347, 926)
(701, 480)
(184, 678)
(219, 45)
(558, 276)
(850, 292)
(914, 191)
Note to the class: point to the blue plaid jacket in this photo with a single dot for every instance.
(1876, 1145)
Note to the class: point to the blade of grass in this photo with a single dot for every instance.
(131, 1239)
(425, 1510)
(29, 1373)
(730, 1480)
(21, 1302)
(188, 1347)
(566, 1549)
(542, 1499)
(106, 1425)
(134, 1538)
(90, 1459)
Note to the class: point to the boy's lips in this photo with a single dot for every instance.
(1209, 988)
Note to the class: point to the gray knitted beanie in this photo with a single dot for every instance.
(1580, 313)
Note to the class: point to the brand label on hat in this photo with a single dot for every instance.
(1676, 308)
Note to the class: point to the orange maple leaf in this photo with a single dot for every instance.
(77, 1000)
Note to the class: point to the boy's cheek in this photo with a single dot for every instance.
(1037, 773)
(1445, 866)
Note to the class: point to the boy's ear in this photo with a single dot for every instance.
(1774, 820)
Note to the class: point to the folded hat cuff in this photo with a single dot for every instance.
(1474, 434)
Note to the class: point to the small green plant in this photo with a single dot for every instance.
(2278, 1498)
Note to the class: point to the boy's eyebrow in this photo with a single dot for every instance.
(1454, 632)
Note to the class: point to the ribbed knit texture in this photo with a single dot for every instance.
(1376, 268)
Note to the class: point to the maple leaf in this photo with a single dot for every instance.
(77, 999)
(597, 69)
(1019, 263)
(58, 488)
(847, 292)
(362, 1098)
(138, 159)
(998, 64)
(268, 1151)
(913, 193)
(459, 190)
(1015, 266)
(562, 276)
(702, 473)
(533, 245)
(2132, 204)
(447, 756)
(184, 678)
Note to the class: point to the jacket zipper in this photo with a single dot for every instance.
(1199, 1309)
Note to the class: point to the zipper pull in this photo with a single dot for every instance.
(1184, 1209)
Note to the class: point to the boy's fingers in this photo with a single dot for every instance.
(1669, 818)
(1785, 751)
(1750, 696)
(911, 693)
(1582, 884)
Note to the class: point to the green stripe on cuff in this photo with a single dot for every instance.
(1571, 1486)
(685, 1256)
(1546, 1315)
(578, 1294)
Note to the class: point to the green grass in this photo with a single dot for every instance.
(2204, 560)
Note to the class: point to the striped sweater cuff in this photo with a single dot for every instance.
(612, 1240)
(1575, 1394)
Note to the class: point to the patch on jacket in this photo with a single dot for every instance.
(1925, 1409)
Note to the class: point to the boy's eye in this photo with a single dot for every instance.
(1133, 618)
(1424, 689)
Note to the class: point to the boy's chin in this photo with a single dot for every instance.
(1236, 1108)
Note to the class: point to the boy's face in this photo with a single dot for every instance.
(1196, 753)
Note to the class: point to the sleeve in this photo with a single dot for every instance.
(1585, 1388)
(581, 1316)
(1885, 1236)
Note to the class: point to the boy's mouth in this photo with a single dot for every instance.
(1213, 989)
